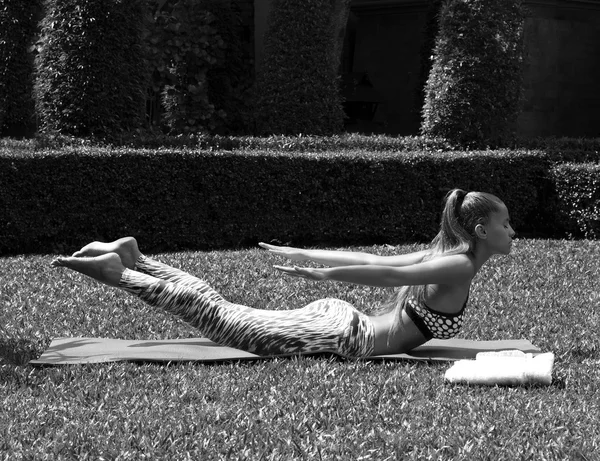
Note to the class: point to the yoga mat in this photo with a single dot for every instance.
(64, 351)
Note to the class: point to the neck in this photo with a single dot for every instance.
(480, 257)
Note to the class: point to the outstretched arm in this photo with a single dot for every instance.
(335, 258)
(448, 270)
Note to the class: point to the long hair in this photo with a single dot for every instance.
(463, 211)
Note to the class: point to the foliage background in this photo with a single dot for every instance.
(18, 23)
(200, 66)
(474, 88)
(297, 86)
(88, 83)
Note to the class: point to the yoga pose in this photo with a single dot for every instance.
(433, 289)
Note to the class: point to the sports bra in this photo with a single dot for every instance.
(434, 324)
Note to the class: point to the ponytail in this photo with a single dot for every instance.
(453, 237)
(459, 196)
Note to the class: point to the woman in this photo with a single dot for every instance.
(434, 288)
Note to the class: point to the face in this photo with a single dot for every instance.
(498, 231)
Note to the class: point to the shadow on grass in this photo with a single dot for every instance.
(18, 351)
(584, 351)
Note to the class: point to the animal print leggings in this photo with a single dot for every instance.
(327, 325)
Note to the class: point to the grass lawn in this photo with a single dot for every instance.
(300, 408)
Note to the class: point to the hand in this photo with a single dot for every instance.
(303, 272)
(295, 254)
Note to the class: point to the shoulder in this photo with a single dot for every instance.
(462, 259)
(441, 269)
(462, 265)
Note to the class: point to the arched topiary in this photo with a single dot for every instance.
(475, 84)
(297, 86)
(91, 70)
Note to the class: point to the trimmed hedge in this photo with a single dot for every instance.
(565, 150)
(578, 189)
(91, 68)
(557, 150)
(53, 201)
(370, 143)
(18, 21)
(297, 87)
(475, 84)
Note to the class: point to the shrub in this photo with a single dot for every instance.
(176, 199)
(578, 191)
(475, 84)
(297, 87)
(91, 72)
(18, 21)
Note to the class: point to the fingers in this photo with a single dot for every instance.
(293, 271)
(288, 270)
(269, 247)
(300, 272)
(292, 253)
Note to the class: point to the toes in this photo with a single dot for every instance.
(58, 262)
(66, 261)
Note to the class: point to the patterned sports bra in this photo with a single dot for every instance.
(434, 324)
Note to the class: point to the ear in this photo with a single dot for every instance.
(480, 231)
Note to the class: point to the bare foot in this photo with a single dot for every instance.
(126, 248)
(106, 269)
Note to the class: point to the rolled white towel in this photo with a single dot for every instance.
(504, 367)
